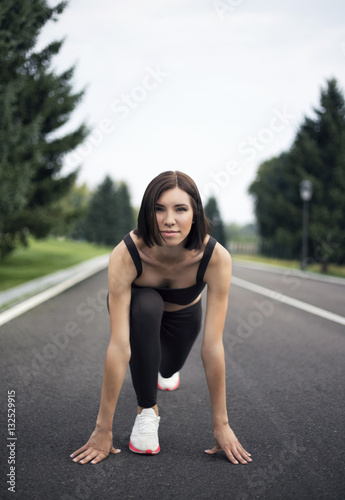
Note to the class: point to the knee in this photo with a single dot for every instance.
(146, 303)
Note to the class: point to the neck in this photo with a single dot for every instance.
(163, 253)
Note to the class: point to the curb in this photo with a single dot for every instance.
(273, 268)
(47, 287)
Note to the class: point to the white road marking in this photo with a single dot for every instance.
(39, 298)
(289, 271)
(285, 299)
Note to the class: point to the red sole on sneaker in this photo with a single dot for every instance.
(144, 452)
(167, 389)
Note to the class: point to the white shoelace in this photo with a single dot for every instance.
(147, 424)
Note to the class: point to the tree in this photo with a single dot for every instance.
(71, 210)
(317, 154)
(277, 207)
(125, 218)
(109, 216)
(217, 226)
(34, 103)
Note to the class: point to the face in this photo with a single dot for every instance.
(174, 213)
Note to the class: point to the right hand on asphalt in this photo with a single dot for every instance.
(96, 449)
(228, 442)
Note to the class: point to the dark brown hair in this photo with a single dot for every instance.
(147, 222)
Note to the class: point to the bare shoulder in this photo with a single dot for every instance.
(220, 256)
(121, 270)
(218, 272)
(220, 259)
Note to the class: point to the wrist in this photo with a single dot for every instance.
(220, 420)
(102, 426)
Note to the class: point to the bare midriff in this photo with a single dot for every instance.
(177, 307)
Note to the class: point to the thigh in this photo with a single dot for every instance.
(179, 331)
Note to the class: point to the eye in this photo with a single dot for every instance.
(159, 209)
(182, 209)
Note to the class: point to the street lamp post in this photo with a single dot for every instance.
(306, 191)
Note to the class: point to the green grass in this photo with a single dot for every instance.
(333, 270)
(44, 257)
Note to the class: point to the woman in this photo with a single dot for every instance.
(156, 275)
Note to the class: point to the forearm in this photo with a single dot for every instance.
(116, 364)
(214, 365)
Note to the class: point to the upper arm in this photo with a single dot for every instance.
(217, 277)
(121, 273)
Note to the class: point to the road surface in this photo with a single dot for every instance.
(285, 392)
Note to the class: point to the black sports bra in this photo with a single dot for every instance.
(181, 296)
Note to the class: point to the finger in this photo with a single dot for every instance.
(115, 450)
(242, 449)
(82, 455)
(101, 456)
(90, 456)
(238, 455)
(214, 450)
(247, 457)
(79, 450)
(231, 457)
(244, 453)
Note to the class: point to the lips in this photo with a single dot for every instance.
(169, 233)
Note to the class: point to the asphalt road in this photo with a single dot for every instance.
(285, 388)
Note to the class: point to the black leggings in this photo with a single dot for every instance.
(160, 341)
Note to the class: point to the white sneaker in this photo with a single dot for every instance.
(144, 436)
(169, 384)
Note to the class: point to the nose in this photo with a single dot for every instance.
(169, 219)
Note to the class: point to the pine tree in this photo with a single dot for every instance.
(101, 216)
(278, 207)
(34, 103)
(217, 226)
(125, 218)
(110, 215)
(317, 154)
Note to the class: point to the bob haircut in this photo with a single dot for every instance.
(147, 222)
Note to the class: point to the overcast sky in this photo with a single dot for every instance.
(208, 87)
